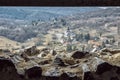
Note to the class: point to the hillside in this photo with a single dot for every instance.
(40, 13)
(100, 19)
(6, 43)
(83, 19)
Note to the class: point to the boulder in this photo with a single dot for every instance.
(118, 70)
(103, 67)
(31, 51)
(114, 78)
(79, 54)
(87, 75)
(99, 66)
(33, 73)
(98, 69)
(8, 70)
(64, 76)
(59, 61)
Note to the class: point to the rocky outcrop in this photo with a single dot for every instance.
(33, 73)
(97, 68)
(8, 70)
(112, 51)
(30, 51)
(78, 66)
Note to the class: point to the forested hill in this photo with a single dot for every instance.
(20, 28)
(41, 13)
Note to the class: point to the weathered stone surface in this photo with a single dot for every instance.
(85, 68)
(34, 72)
(31, 51)
(58, 61)
(42, 54)
(17, 58)
(65, 76)
(46, 53)
(79, 54)
(53, 72)
(101, 68)
(8, 70)
(118, 70)
(53, 52)
(25, 57)
(114, 51)
(70, 61)
(114, 78)
(88, 76)
(58, 67)
(44, 62)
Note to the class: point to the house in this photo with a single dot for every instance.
(95, 48)
(96, 43)
(103, 38)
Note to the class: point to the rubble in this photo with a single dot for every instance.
(77, 66)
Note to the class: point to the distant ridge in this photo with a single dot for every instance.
(42, 13)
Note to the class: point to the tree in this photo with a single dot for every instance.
(63, 22)
(112, 41)
(79, 37)
(74, 47)
(87, 37)
(100, 34)
(106, 42)
(34, 23)
(69, 47)
(103, 45)
(83, 48)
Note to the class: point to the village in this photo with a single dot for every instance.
(68, 40)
